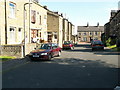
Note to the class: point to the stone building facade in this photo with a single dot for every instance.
(2, 23)
(22, 21)
(65, 29)
(112, 30)
(53, 26)
(59, 28)
(88, 33)
(27, 23)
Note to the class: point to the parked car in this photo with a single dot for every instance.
(45, 52)
(97, 44)
(68, 45)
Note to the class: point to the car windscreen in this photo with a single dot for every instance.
(45, 46)
(67, 42)
(97, 42)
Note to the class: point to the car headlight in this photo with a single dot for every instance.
(30, 53)
(43, 53)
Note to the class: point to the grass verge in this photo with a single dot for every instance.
(6, 58)
(114, 47)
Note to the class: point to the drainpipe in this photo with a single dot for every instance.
(24, 50)
(29, 22)
(5, 23)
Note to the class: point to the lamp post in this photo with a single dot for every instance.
(24, 27)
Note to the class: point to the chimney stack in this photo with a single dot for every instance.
(87, 24)
(45, 7)
(98, 24)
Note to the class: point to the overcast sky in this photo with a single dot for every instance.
(79, 12)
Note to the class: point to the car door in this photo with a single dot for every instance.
(53, 50)
(57, 49)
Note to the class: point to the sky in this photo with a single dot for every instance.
(81, 12)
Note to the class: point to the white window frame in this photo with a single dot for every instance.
(12, 35)
(12, 8)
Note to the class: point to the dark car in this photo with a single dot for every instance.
(97, 44)
(68, 45)
(45, 52)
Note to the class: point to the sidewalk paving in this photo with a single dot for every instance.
(83, 43)
(6, 65)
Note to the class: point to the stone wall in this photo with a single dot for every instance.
(17, 50)
(12, 50)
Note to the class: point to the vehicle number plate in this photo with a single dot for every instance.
(35, 55)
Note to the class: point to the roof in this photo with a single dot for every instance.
(90, 28)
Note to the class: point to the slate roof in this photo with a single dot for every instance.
(90, 28)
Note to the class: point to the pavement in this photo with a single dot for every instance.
(13, 63)
(83, 43)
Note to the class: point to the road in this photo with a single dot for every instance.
(78, 68)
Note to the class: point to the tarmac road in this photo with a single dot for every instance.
(79, 68)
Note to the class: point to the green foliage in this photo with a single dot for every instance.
(108, 42)
(111, 42)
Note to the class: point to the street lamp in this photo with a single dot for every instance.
(24, 26)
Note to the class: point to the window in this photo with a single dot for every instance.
(45, 17)
(40, 34)
(34, 33)
(12, 35)
(19, 35)
(55, 36)
(84, 39)
(37, 33)
(90, 33)
(33, 16)
(79, 34)
(40, 20)
(96, 33)
(19, 30)
(84, 33)
(12, 9)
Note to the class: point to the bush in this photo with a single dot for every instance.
(111, 41)
(108, 42)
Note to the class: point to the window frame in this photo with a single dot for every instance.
(12, 9)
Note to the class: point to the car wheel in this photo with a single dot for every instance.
(103, 49)
(59, 53)
(49, 57)
(72, 48)
(92, 49)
